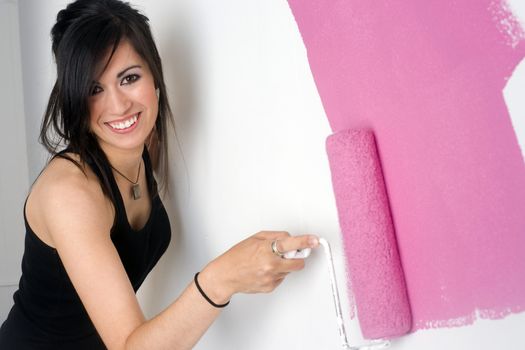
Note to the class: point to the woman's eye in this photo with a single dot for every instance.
(95, 90)
(130, 79)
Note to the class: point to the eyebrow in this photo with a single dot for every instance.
(119, 75)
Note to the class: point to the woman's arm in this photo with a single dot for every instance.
(250, 267)
(78, 219)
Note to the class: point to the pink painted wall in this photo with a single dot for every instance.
(427, 77)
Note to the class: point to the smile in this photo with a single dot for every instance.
(124, 125)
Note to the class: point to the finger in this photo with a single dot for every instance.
(297, 242)
(291, 265)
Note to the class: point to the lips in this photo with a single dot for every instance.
(124, 125)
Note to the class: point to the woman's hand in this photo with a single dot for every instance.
(252, 267)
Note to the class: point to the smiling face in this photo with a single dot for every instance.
(123, 103)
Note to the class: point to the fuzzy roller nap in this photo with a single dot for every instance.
(372, 257)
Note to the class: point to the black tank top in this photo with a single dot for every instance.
(48, 313)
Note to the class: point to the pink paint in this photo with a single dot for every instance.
(427, 77)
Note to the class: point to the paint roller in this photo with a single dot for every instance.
(376, 276)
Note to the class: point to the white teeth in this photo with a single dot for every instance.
(125, 124)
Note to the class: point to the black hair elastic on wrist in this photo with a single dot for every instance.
(204, 294)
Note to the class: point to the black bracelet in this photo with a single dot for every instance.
(204, 294)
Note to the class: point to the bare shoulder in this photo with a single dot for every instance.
(66, 195)
(78, 218)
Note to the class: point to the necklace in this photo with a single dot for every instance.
(135, 187)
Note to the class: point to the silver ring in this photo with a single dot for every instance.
(276, 251)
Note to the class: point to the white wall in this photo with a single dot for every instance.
(252, 130)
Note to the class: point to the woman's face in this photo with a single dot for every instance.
(123, 103)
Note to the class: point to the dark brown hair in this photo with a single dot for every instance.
(84, 33)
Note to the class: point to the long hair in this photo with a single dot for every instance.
(84, 33)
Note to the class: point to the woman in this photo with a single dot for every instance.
(95, 224)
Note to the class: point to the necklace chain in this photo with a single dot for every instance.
(124, 176)
(135, 188)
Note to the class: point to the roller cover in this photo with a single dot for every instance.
(376, 274)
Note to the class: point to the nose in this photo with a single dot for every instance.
(118, 102)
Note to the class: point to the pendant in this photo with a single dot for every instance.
(135, 191)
